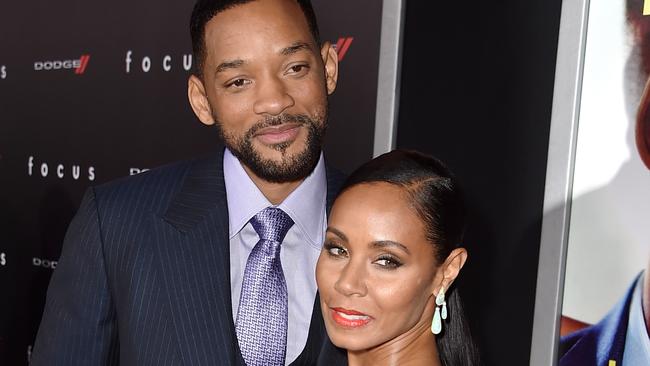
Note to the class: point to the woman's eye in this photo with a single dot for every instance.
(388, 262)
(335, 250)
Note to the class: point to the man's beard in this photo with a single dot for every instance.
(291, 168)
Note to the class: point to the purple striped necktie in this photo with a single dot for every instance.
(263, 305)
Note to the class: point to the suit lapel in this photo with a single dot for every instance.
(334, 182)
(193, 252)
(613, 330)
(602, 342)
(319, 350)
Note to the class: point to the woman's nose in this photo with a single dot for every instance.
(351, 281)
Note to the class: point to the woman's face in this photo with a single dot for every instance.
(377, 270)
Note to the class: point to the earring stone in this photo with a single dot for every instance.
(440, 298)
(436, 323)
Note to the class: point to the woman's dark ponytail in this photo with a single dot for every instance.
(455, 344)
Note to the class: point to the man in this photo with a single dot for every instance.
(211, 262)
(621, 338)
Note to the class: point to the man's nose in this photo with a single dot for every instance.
(273, 97)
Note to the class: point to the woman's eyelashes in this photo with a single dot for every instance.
(335, 250)
(388, 261)
(383, 260)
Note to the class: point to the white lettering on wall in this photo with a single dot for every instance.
(146, 62)
(61, 171)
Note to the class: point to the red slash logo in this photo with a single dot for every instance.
(79, 65)
(343, 45)
(83, 62)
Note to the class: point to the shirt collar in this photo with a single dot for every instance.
(305, 205)
(637, 341)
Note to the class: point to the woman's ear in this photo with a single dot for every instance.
(450, 268)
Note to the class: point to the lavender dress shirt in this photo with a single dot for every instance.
(299, 251)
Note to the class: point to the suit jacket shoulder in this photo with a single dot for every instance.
(155, 189)
(601, 342)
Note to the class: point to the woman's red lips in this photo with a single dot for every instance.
(348, 312)
(349, 318)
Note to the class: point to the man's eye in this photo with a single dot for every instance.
(298, 69)
(238, 83)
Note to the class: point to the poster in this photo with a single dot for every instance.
(609, 222)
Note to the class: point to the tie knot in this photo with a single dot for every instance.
(272, 224)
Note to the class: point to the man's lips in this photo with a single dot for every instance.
(349, 318)
(278, 134)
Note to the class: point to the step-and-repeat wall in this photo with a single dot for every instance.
(91, 91)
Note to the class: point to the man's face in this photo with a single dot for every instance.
(265, 84)
(642, 130)
(640, 26)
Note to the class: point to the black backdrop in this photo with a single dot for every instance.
(477, 88)
(91, 91)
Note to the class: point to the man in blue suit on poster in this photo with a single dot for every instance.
(621, 338)
(211, 261)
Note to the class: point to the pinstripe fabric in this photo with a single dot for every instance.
(143, 278)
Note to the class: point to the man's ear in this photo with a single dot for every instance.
(199, 100)
(450, 268)
(331, 62)
(642, 130)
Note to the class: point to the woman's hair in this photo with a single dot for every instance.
(434, 193)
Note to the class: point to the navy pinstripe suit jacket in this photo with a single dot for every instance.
(144, 276)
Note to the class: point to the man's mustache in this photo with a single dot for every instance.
(270, 121)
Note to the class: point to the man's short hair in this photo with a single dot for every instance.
(639, 24)
(204, 10)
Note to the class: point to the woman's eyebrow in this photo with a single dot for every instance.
(389, 243)
(337, 233)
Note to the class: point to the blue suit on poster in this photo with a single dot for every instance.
(144, 276)
(602, 342)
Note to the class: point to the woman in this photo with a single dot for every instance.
(391, 254)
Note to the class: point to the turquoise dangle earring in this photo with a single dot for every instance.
(439, 316)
